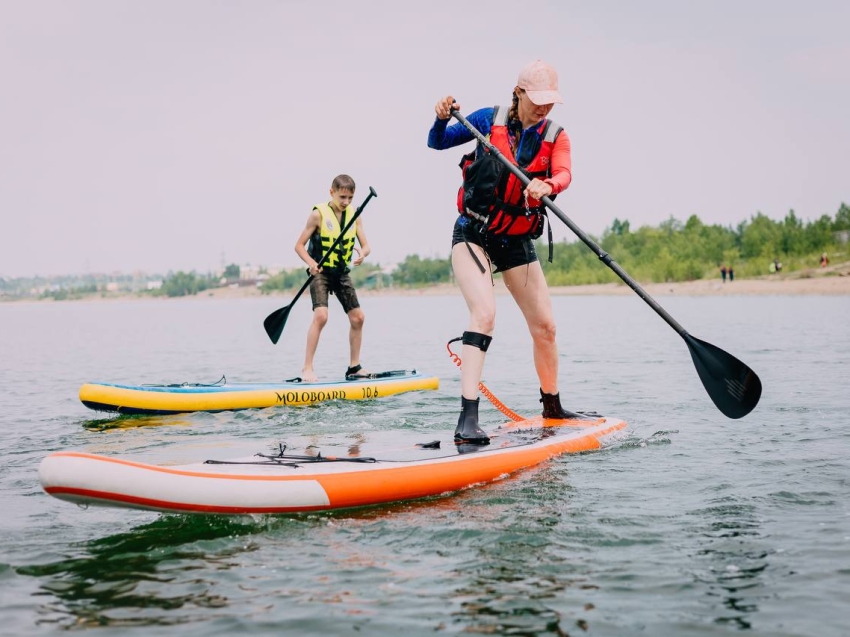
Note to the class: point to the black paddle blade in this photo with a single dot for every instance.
(275, 322)
(733, 386)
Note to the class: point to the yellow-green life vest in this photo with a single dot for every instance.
(329, 230)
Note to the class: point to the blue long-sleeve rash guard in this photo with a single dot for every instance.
(442, 136)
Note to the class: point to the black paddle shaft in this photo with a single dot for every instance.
(733, 387)
(276, 321)
(590, 243)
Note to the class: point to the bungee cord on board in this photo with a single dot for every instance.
(498, 404)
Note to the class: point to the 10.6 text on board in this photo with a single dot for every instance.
(303, 397)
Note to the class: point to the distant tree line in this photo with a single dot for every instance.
(232, 271)
(185, 284)
(676, 251)
(414, 271)
(673, 251)
(68, 287)
(66, 294)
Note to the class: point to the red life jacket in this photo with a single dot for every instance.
(492, 194)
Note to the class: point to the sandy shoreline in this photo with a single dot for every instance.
(831, 281)
(834, 280)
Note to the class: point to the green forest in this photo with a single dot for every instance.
(672, 251)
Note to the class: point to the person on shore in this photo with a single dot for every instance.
(731, 274)
(497, 225)
(824, 260)
(325, 223)
(723, 272)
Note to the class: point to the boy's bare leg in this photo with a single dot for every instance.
(320, 319)
(356, 318)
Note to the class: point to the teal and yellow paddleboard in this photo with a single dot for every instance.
(188, 397)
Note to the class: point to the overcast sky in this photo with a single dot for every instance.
(162, 135)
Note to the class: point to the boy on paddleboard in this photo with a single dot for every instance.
(325, 223)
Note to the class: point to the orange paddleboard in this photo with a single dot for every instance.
(343, 471)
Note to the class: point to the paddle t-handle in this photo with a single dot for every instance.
(276, 321)
(734, 388)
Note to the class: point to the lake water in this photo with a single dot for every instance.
(689, 524)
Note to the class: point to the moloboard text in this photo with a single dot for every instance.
(296, 397)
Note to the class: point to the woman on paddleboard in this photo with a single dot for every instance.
(498, 223)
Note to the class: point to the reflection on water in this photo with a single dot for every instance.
(334, 567)
(732, 544)
(513, 586)
(121, 579)
(134, 421)
(357, 441)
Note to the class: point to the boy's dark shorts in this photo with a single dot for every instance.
(504, 252)
(325, 284)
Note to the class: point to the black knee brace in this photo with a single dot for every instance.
(476, 339)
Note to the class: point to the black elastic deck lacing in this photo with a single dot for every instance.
(293, 461)
(221, 381)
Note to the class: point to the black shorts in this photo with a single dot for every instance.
(325, 284)
(504, 252)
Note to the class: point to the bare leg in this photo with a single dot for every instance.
(477, 290)
(529, 289)
(355, 335)
(320, 319)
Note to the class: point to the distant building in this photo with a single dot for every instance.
(249, 272)
(379, 279)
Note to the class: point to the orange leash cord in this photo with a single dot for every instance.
(498, 404)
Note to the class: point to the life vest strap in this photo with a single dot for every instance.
(513, 211)
(486, 220)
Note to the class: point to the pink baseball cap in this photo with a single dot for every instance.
(540, 82)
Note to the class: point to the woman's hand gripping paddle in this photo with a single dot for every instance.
(733, 387)
(276, 321)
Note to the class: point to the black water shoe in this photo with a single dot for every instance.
(468, 430)
(552, 408)
(356, 373)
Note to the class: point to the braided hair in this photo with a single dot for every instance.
(514, 123)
